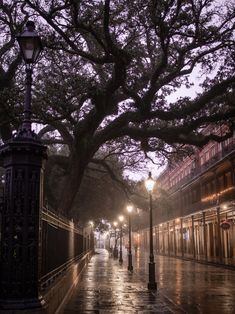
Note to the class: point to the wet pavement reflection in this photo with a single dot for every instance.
(183, 287)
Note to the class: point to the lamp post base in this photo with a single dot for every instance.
(115, 253)
(130, 267)
(152, 285)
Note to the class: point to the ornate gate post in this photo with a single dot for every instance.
(21, 228)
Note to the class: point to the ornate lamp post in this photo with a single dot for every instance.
(121, 218)
(149, 184)
(30, 46)
(130, 267)
(115, 250)
(23, 159)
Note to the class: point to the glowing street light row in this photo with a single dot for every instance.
(149, 185)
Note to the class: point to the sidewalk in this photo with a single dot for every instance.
(183, 287)
(107, 287)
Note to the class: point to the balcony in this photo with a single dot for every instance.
(200, 169)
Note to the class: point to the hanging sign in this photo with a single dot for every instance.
(225, 225)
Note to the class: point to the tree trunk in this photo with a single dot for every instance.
(71, 186)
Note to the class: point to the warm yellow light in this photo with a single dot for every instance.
(91, 223)
(149, 183)
(215, 196)
(115, 223)
(121, 218)
(129, 208)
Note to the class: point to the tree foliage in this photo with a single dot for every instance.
(109, 67)
(102, 195)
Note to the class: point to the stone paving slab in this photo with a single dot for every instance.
(107, 287)
(183, 287)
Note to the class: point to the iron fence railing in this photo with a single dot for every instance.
(63, 244)
(51, 276)
(200, 169)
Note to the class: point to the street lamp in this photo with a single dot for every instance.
(129, 209)
(149, 184)
(23, 159)
(121, 218)
(115, 250)
(30, 46)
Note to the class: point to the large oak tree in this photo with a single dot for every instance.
(109, 67)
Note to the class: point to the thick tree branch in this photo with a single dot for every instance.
(71, 43)
(112, 175)
(45, 130)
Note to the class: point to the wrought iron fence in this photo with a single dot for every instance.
(62, 246)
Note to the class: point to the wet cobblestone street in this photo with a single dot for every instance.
(183, 287)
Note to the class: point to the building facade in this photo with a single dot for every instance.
(200, 221)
